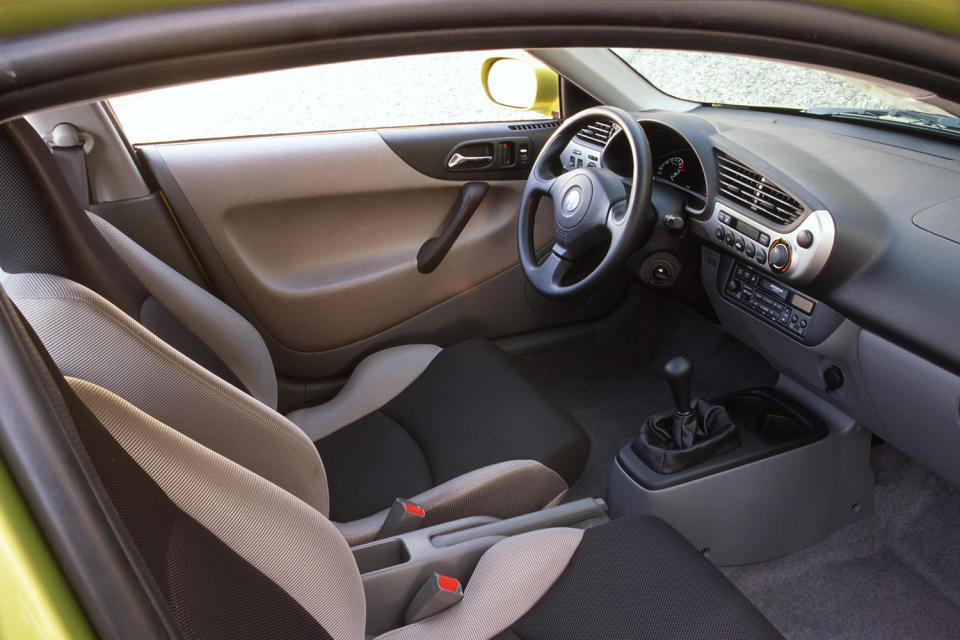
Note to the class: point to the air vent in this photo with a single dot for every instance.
(598, 132)
(746, 187)
(530, 126)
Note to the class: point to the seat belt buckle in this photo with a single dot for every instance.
(404, 516)
(437, 594)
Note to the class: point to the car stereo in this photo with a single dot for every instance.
(769, 300)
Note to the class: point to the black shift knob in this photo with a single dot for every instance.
(679, 372)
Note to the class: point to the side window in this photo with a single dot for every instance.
(428, 89)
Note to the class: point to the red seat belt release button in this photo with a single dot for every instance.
(404, 516)
(438, 593)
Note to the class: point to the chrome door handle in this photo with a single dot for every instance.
(457, 160)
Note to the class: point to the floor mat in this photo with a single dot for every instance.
(612, 382)
(893, 575)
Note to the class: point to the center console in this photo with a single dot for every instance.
(749, 476)
(394, 569)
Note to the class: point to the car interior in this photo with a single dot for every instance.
(614, 362)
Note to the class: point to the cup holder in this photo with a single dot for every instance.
(380, 554)
(770, 415)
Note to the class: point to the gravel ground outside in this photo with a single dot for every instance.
(445, 88)
(726, 79)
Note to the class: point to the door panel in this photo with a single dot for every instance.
(318, 235)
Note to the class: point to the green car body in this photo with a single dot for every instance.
(21, 17)
(37, 601)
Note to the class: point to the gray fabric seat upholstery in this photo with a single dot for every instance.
(111, 313)
(630, 578)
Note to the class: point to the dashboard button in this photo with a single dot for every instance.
(764, 239)
(761, 256)
(739, 245)
(805, 239)
(719, 234)
(729, 237)
(751, 249)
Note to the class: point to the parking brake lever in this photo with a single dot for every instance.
(435, 249)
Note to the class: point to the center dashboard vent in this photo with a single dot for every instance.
(598, 132)
(754, 191)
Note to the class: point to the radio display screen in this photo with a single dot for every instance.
(747, 230)
(801, 303)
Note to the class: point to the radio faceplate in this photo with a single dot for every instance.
(796, 256)
(770, 301)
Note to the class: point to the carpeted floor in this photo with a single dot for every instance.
(895, 574)
(611, 383)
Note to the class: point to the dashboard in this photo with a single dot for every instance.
(833, 248)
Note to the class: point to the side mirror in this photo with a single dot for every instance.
(522, 85)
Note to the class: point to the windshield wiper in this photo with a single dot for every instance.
(902, 116)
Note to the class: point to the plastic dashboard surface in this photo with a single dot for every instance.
(881, 270)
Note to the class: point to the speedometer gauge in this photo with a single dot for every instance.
(671, 168)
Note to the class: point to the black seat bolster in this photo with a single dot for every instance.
(638, 578)
(469, 409)
(472, 407)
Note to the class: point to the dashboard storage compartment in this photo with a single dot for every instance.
(801, 472)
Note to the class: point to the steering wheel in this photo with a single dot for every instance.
(591, 207)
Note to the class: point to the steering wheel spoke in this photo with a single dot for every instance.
(616, 219)
(549, 273)
(542, 185)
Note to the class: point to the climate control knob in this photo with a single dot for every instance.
(780, 256)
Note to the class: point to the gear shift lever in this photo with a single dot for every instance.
(694, 431)
(678, 372)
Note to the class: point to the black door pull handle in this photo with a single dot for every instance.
(434, 250)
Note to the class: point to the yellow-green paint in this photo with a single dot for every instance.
(19, 16)
(546, 101)
(35, 600)
(942, 15)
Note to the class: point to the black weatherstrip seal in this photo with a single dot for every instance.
(94, 58)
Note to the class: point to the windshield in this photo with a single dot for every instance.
(715, 78)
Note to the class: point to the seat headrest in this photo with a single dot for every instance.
(45, 229)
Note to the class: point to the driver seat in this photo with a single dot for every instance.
(458, 430)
